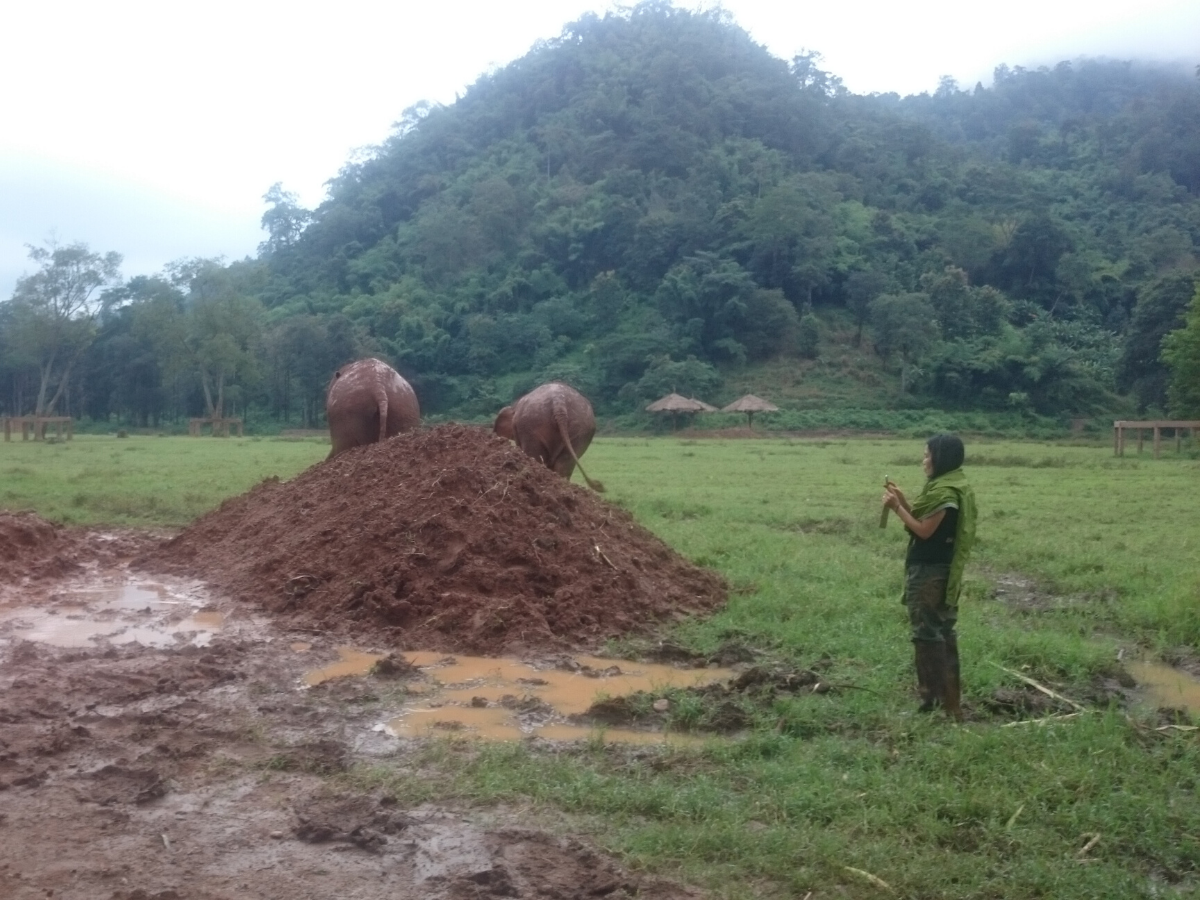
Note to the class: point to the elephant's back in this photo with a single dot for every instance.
(547, 397)
(365, 378)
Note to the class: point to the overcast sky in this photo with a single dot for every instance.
(154, 128)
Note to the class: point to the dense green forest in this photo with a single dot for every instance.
(653, 202)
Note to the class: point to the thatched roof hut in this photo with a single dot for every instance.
(676, 403)
(749, 404)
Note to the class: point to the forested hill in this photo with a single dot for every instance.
(656, 187)
(654, 202)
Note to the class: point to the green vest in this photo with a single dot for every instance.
(951, 487)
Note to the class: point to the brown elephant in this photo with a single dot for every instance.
(553, 423)
(368, 401)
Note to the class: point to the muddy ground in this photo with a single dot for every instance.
(175, 752)
(157, 736)
(174, 757)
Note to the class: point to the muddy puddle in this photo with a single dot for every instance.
(158, 741)
(510, 699)
(1166, 687)
(153, 614)
(496, 699)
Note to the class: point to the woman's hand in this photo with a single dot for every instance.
(893, 490)
(890, 497)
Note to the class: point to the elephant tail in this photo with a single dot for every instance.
(381, 402)
(560, 419)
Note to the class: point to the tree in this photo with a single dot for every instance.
(862, 287)
(120, 373)
(303, 353)
(18, 370)
(1161, 308)
(904, 325)
(1028, 266)
(718, 311)
(950, 295)
(808, 339)
(54, 312)
(790, 235)
(1181, 354)
(805, 69)
(284, 221)
(210, 333)
(691, 377)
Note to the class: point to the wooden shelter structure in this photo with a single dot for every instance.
(1155, 425)
(749, 404)
(220, 426)
(36, 425)
(677, 403)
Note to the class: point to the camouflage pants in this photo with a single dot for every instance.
(931, 618)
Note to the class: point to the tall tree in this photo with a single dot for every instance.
(303, 352)
(790, 234)
(1181, 354)
(54, 312)
(1161, 308)
(284, 221)
(904, 325)
(862, 287)
(210, 333)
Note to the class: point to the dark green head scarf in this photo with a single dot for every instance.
(950, 486)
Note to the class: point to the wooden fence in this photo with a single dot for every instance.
(1155, 425)
(36, 425)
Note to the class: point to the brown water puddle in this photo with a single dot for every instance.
(472, 695)
(1165, 686)
(151, 614)
(351, 662)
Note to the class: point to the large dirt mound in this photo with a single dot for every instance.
(447, 539)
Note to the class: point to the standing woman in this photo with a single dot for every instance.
(941, 528)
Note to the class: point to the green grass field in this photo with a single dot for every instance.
(845, 794)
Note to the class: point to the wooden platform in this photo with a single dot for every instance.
(220, 426)
(36, 425)
(1155, 425)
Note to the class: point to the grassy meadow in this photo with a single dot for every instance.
(849, 793)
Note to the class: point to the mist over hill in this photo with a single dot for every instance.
(652, 202)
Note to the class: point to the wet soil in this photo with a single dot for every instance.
(33, 550)
(158, 738)
(201, 766)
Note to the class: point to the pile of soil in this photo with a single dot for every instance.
(448, 539)
(34, 550)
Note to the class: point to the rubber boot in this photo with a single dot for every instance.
(952, 693)
(931, 673)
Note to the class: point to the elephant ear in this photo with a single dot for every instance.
(504, 424)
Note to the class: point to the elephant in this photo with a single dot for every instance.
(553, 423)
(368, 401)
